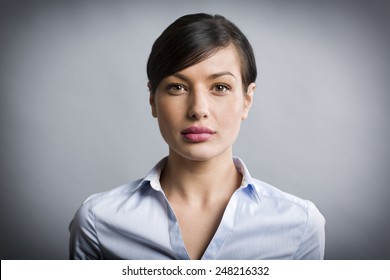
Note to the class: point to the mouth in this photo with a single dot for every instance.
(196, 134)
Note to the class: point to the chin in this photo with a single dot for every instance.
(200, 154)
(196, 156)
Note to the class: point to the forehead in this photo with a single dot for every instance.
(224, 60)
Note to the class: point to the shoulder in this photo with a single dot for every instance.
(294, 211)
(84, 238)
(270, 196)
(104, 204)
(112, 196)
(289, 204)
(123, 198)
(268, 192)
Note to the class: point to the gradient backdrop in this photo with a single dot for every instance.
(75, 119)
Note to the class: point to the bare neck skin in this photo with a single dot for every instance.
(200, 183)
(199, 192)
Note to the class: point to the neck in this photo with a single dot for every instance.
(200, 182)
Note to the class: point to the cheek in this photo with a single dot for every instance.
(168, 114)
(232, 108)
(230, 116)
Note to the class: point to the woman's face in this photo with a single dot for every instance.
(200, 108)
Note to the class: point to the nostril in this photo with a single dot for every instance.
(194, 116)
(198, 116)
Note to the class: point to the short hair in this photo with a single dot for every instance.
(193, 38)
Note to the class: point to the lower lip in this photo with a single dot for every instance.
(197, 137)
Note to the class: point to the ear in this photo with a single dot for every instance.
(152, 102)
(248, 100)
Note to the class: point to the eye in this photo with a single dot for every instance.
(221, 88)
(176, 88)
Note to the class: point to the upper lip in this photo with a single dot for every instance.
(197, 130)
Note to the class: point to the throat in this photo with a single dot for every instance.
(198, 226)
(200, 186)
(198, 194)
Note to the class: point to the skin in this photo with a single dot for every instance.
(208, 94)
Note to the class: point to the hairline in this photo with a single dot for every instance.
(207, 54)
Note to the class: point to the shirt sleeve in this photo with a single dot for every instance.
(312, 245)
(83, 242)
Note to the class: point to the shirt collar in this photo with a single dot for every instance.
(153, 177)
(247, 180)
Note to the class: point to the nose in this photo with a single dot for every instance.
(198, 105)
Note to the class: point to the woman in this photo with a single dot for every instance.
(199, 202)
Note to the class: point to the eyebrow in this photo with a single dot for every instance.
(210, 77)
(219, 74)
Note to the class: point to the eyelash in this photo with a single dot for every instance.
(225, 88)
(174, 88)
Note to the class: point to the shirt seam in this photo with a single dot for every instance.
(305, 207)
(170, 215)
(223, 243)
(96, 231)
(304, 232)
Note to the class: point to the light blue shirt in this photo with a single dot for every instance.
(135, 221)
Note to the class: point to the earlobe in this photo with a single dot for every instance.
(248, 100)
(152, 101)
(149, 87)
(153, 104)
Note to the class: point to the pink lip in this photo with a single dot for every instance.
(197, 134)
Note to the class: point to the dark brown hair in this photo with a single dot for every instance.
(193, 38)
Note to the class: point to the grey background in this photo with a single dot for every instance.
(75, 119)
